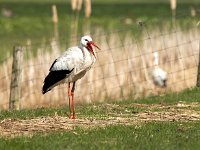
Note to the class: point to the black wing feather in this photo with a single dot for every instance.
(53, 77)
(52, 64)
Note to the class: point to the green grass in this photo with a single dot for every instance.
(168, 135)
(188, 95)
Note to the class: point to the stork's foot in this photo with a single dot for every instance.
(72, 117)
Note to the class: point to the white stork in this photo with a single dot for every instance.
(158, 74)
(70, 67)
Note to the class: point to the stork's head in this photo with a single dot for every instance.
(86, 41)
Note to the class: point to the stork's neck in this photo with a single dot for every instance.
(87, 55)
(86, 52)
(156, 61)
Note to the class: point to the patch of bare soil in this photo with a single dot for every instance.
(16, 127)
(27, 127)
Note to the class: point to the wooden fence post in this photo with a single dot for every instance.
(15, 85)
(198, 73)
(88, 8)
(55, 23)
(173, 8)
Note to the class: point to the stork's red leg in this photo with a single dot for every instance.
(73, 105)
(69, 95)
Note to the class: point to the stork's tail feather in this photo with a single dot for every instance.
(54, 77)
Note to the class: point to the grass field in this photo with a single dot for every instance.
(155, 136)
(167, 122)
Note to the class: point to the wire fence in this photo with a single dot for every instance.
(123, 68)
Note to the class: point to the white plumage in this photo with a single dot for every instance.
(70, 67)
(158, 74)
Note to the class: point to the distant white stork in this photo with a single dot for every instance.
(158, 74)
(70, 67)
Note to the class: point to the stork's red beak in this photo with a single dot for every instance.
(89, 47)
(94, 45)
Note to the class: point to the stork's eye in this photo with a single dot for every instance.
(86, 40)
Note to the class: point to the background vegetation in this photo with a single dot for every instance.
(32, 19)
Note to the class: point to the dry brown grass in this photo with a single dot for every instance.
(27, 127)
(122, 69)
